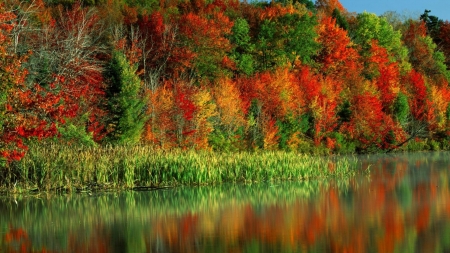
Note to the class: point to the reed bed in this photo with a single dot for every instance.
(56, 167)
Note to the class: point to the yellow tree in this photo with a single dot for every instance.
(203, 116)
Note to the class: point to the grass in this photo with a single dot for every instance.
(62, 168)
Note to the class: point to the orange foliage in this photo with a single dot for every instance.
(160, 128)
(440, 100)
(276, 10)
(415, 84)
(327, 6)
(386, 75)
(370, 125)
(206, 110)
(229, 104)
(337, 56)
(270, 131)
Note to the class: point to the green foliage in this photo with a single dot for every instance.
(344, 112)
(285, 39)
(221, 140)
(401, 108)
(125, 103)
(243, 48)
(435, 145)
(75, 134)
(371, 27)
(344, 146)
(448, 113)
(433, 23)
(435, 65)
(341, 21)
(143, 5)
(417, 145)
(441, 66)
(255, 134)
(308, 4)
(291, 126)
(60, 167)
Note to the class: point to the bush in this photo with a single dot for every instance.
(343, 146)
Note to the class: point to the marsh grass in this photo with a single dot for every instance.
(57, 167)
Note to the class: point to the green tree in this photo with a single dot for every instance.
(243, 48)
(285, 39)
(423, 52)
(401, 108)
(433, 24)
(371, 27)
(125, 103)
(341, 21)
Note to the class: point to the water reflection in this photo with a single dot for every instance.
(403, 206)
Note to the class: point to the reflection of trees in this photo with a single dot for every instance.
(404, 206)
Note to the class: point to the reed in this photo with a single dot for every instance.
(57, 167)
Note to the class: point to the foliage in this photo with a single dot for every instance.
(54, 166)
(125, 105)
(371, 27)
(221, 75)
(285, 38)
(401, 108)
(243, 51)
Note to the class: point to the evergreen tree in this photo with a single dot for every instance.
(341, 21)
(401, 108)
(126, 105)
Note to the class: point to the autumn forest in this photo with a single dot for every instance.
(221, 75)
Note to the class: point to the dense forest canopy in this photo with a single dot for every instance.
(220, 74)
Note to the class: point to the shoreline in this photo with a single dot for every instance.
(63, 169)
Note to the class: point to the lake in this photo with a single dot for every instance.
(402, 205)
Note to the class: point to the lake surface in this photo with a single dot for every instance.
(403, 205)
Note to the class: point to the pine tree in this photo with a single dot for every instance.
(126, 105)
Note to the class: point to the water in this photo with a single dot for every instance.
(403, 205)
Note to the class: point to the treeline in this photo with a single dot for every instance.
(222, 75)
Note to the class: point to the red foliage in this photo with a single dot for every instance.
(186, 106)
(370, 125)
(418, 92)
(386, 74)
(444, 36)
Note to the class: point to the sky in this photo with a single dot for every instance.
(439, 8)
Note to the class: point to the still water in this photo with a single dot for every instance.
(402, 205)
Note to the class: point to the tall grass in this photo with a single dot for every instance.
(57, 167)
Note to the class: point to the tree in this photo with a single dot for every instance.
(337, 56)
(285, 37)
(11, 75)
(371, 27)
(230, 115)
(328, 6)
(25, 112)
(206, 36)
(341, 21)
(385, 74)
(161, 56)
(126, 105)
(401, 110)
(243, 50)
(67, 49)
(424, 54)
(203, 118)
(370, 125)
(444, 37)
(433, 25)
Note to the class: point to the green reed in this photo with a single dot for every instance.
(57, 167)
